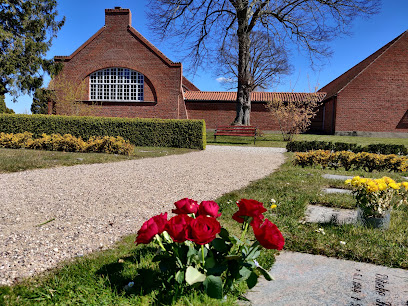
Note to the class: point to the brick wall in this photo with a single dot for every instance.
(223, 113)
(119, 45)
(377, 99)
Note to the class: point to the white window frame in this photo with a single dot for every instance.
(116, 85)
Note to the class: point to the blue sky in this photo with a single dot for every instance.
(84, 18)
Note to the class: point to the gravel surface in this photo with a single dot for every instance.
(90, 207)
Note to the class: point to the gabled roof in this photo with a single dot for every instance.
(227, 96)
(64, 58)
(337, 85)
(188, 86)
(135, 33)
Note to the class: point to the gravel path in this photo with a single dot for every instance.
(92, 206)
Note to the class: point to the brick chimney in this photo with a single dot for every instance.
(118, 17)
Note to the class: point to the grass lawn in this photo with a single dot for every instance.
(12, 160)
(100, 278)
(275, 139)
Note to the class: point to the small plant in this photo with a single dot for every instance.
(294, 117)
(375, 196)
(191, 257)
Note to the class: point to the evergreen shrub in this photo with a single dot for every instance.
(139, 131)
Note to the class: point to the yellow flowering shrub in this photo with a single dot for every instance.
(375, 196)
(67, 143)
(349, 160)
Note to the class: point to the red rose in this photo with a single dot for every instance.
(268, 234)
(178, 227)
(249, 208)
(203, 229)
(209, 208)
(185, 206)
(150, 228)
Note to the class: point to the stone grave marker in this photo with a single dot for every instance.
(322, 214)
(304, 279)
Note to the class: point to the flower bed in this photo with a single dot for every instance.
(352, 161)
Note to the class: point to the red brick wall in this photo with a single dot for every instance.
(223, 113)
(377, 99)
(117, 45)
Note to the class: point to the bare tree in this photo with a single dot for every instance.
(205, 25)
(267, 61)
(294, 117)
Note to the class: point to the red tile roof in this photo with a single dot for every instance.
(342, 81)
(255, 96)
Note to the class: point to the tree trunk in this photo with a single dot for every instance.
(244, 77)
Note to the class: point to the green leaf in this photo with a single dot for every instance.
(194, 276)
(209, 262)
(213, 287)
(180, 277)
(236, 240)
(252, 280)
(224, 234)
(245, 273)
(265, 273)
(219, 245)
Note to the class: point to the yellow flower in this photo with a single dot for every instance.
(274, 206)
(405, 184)
(393, 185)
(347, 182)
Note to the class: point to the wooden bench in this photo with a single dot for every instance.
(235, 130)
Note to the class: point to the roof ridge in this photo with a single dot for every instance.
(375, 55)
(390, 44)
(153, 47)
(81, 47)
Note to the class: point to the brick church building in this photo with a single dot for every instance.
(129, 77)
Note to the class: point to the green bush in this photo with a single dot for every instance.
(379, 148)
(140, 132)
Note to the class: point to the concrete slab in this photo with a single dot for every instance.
(304, 279)
(322, 214)
(336, 190)
(337, 177)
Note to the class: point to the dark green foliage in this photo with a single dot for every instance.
(379, 148)
(27, 29)
(40, 101)
(140, 132)
(3, 107)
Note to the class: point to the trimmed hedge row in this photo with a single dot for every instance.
(379, 148)
(349, 160)
(139, 131)
(66, 143)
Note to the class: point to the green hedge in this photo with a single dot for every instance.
(378, 148)
(140, 132)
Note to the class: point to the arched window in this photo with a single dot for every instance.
(116, 84)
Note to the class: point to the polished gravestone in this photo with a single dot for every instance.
(304, 279)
